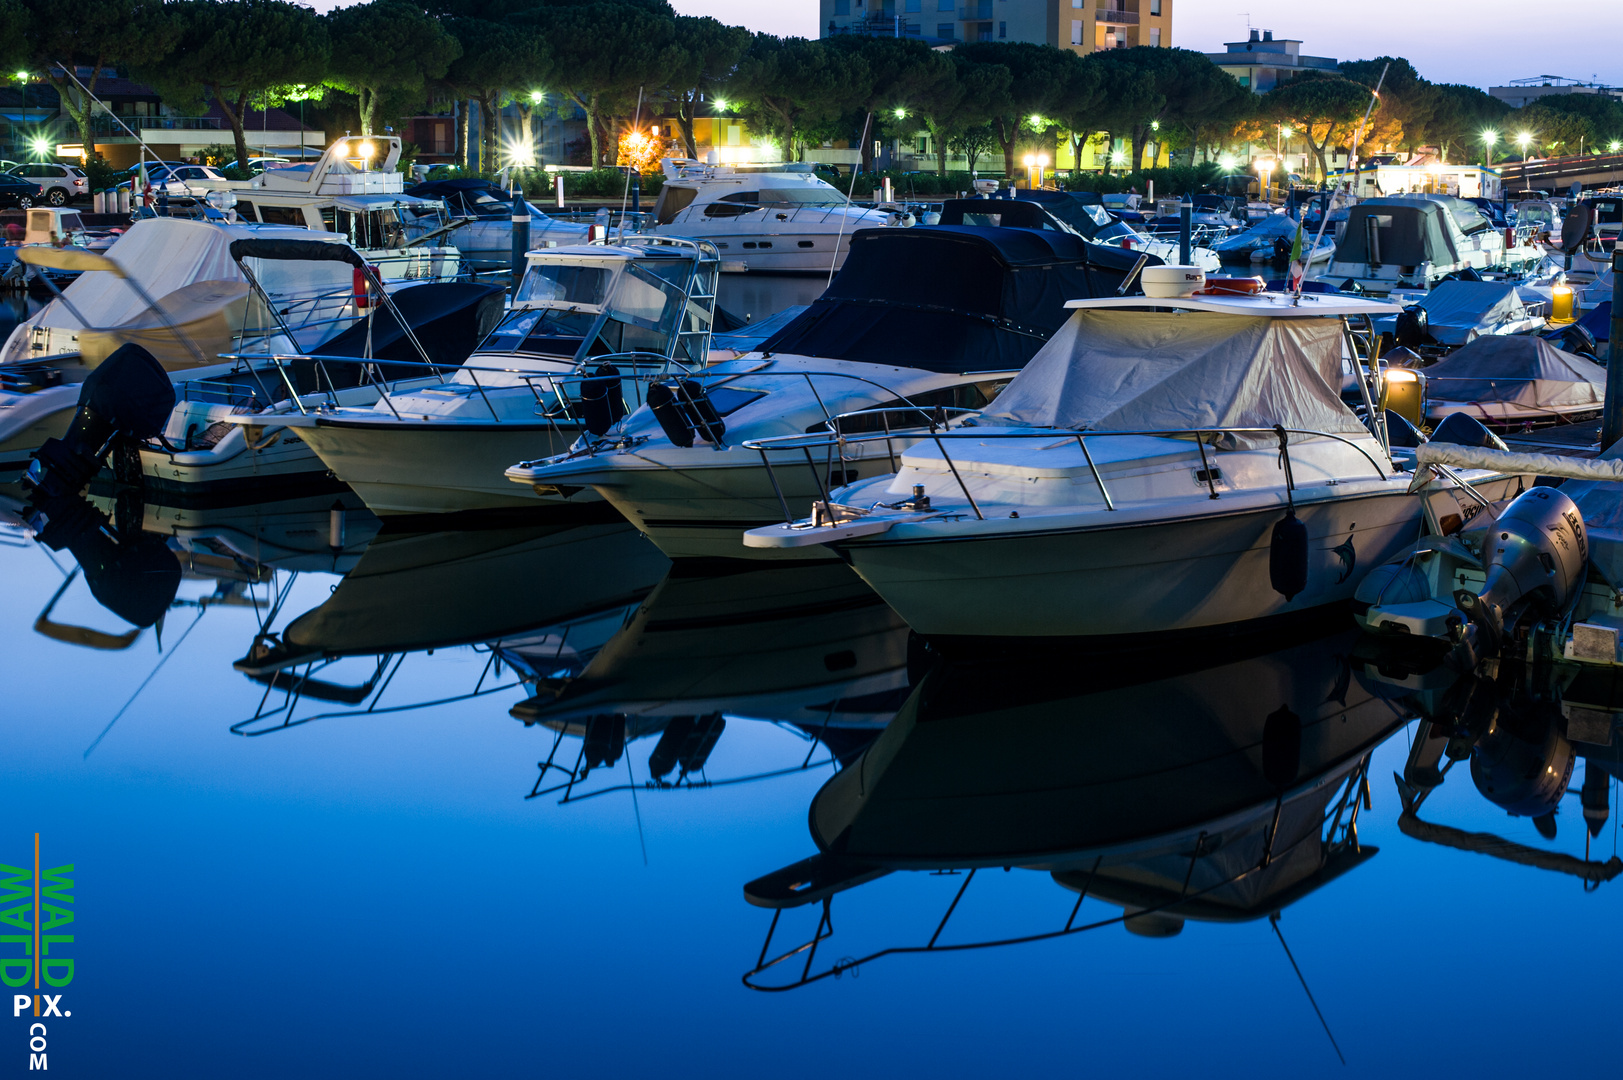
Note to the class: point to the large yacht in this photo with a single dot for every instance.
(777, 217)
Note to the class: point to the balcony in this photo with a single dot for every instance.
(1114, 17)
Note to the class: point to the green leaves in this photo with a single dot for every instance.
(786, 83)
(386, 45)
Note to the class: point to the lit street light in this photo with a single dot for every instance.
(1489, 137)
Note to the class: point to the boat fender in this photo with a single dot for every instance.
(669, 748)
(696, 748)
(127, 394)
(605, 742)
(601, 405)
(701, 411)
(1287, 550)
(662, 403)
(1281, 747)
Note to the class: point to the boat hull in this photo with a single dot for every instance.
(1190, 574)
(438, 468)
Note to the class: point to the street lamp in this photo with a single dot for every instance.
(536, 97)
(1616, 146)
(901, 113)
(1265, 166)
(1489, 137)
(719, 105)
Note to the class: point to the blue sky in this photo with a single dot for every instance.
(1486, 43)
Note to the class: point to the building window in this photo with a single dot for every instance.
(914, 6)
(842, 7)
(1076, 3)
(924, 145)
(1002, 29)
(1076, 31)
(946, 5)
(1155, 37)
(944, 31)
(1245, 80)
(1155, 7)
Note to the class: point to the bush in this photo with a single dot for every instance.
(1175, 180)
(595, 184)
(102, 175)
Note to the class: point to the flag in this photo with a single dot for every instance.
(1298, 269)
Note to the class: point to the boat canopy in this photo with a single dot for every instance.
(1458, 312)
(1270, 228)
(1401, 232)
(1126, 370)
(952, 298)
(1525, 371)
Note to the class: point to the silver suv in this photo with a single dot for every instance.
(60, 183)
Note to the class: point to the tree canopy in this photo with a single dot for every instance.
(382, 46)
(785, 84)
(1317, 109)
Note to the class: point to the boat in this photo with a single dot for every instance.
(481, 221)
(172, 287)
(921, 323)
(55, 227)
(582, 312)
(1079, 212)
(1215, 786)
(1270, 239)
(1457, 312)
(354, 190)
(1411, 242)
(1515, 382)
(763, 218)
(1175, 464)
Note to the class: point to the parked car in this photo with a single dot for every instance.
(61, 184)
(176, 178)
(18, 191)
(260, 164)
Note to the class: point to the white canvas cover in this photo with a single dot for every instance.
(1459, 312)
(1522, 371)
(164, 255)
(1127, 370)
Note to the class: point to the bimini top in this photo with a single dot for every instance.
(1408, 230)
(951, 298)
(1516, 369)
(1195, 367)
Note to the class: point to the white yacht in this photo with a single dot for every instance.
(921, 325)
(582, 318)
(1407, 242)
(777, 217)
(1176, 464)
(354, 190)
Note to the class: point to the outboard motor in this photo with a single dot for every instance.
(1413, 327)
(1576, 339)
(131, 573)
(128, 394)
(1523, 763)
(1536, 555)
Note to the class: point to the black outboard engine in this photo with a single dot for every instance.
(1576, 339)
(1413, 327)
(128, 395)
(131, 573)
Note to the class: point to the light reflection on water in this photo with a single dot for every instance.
(373, 891)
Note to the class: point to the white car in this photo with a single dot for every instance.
(60, 184)
(186, 180)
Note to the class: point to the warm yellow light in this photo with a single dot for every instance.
(1524, 138)
(1400, 375)
(1490, 137)
(1285, 131)
(520, 153)
(1030, 160)
(1042, 159)
(1118, 158)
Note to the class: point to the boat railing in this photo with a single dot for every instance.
(940, 435)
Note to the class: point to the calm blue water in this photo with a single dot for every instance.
(368, 895)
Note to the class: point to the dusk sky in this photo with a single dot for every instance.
(1485, 43)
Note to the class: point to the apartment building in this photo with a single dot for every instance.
(1080, 25)
(1262, 61)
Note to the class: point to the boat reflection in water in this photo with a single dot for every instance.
(1523, 732)
(807, 646)
(1217, 788)
(546, 596)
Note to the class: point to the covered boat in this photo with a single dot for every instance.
(1461, 311)
(482, 220)
(935, 317)
(1515, 380)
(1165, 465)
(1414, 241)
(1263, 242)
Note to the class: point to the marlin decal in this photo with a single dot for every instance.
(1349, 558)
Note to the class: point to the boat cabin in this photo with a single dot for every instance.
(1463, 181)
(54, 226)
(724, 191)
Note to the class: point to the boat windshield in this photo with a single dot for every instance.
(554, 283)
(539, 330)
(801, 196)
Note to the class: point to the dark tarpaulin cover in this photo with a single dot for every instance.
(296, 250)
(449, 318)
(952, 298)
(455, 194)
(1418, 233)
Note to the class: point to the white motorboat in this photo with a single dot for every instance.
(1165, 465)
(582, 317)
(777, 217)
(171, 286)
(354, 190)
(481, 216)
(1414, 241)
(921, 323)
